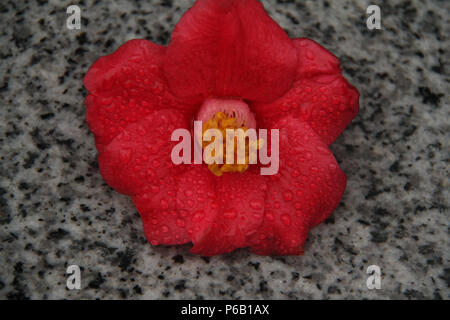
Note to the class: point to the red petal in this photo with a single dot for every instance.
(307, 188)
(124, 87)
(321, 96)
(178, 209)
(163, 223)
(230, 48)
(196, 201)
(313, 59)
(141, 152)
(241, 206)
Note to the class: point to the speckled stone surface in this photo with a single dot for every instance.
(55, 209)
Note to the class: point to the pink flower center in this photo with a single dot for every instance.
(231, 108)
(221, 116)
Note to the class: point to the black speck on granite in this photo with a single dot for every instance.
(56, 210)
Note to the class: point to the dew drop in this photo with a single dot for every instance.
(125, 156)
(231, 214)
(164, 204)
(106, 101)
(156, 163)
(180, 223)
(141, 131)
(270, 216)
(295, 173)
(322, 150)
(214, 206)
(150, 173)
(184, 213)
(256, 204)
(286, 220)
(287, 196)
(198, 216)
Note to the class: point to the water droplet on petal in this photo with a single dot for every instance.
(141, 131)
(198, 216)
(125, 155)
(322, 150)
(286, 220)
(214, 206)
(270, 216)
(150, 173)
(256, 204)
(155, 189)
(295, 173)
(164, 204)
(180, 223)
(287, 196)
(231, 214)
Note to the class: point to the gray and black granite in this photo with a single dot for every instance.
(56, 210)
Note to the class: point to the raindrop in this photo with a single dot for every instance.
(125, 156)
(287, 196)
(181, 223)
(164, 204)
(269, 216)
(286, 220)
(256, 204)
(231, 214)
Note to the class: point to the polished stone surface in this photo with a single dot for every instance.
(56, 210)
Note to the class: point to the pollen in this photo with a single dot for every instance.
(222, 122)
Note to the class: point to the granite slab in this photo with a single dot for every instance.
(56, 210)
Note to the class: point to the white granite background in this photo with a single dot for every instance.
(55, 209)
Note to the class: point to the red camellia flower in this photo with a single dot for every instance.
(225, 58)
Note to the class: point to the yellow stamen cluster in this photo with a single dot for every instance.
(223, 122)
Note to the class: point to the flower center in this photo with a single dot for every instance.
(233, 119)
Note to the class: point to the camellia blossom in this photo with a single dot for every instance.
(227, 64)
